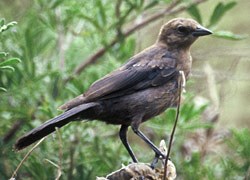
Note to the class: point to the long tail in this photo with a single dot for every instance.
(50, 125)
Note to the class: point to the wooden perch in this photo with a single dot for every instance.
(138, 171)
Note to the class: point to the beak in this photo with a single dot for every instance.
(201, 31)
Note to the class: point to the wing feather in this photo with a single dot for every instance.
(128, 81)
(117, 82)
(151, 68)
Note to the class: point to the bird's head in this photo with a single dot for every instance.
(181, 32)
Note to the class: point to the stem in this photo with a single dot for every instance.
(175, 124)
(25, 157)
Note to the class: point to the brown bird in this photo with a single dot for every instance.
(142, 88)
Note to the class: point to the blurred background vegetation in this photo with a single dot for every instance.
(51, 51)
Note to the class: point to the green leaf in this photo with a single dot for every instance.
(219, 11)
(195, 13)
(54, 4)
(7, 67)
(7, 26)
(229, 35)
(241, 143)
(9, 62)
(91, 20)
(101, 15)
(151, 4)
(216, 14)
(3, 89)
(2, 21)
(12, 23)
(230, 5)
(3, 54)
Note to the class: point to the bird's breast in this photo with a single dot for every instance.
(184, 63)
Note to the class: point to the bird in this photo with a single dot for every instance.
(142, 88)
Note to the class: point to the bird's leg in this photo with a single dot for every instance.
(158, 153)
(123, 137)
(154, 162)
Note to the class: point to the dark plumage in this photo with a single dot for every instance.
(142, 88)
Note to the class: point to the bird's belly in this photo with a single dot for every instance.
(146, 104)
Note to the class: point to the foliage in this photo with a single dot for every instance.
(51, 39)
(237, 166)
(6, 64)
(219, 11)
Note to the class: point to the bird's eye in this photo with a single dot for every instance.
(182, 30)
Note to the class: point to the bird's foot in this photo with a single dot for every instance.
(156, 159)
(161, 155)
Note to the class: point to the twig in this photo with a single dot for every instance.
(51, 162)
(71, 162)
(180, 79)
(99, 53)
(118, 16)
(25, 157)
(59, 168)
(59, 172)
(15, 127)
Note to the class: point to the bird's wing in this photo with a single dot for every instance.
(131, 79)
(141, 72)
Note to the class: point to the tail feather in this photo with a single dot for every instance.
(50, 125)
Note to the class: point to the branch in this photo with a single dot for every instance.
(143, 170)
(170, 10)
(15, 127)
